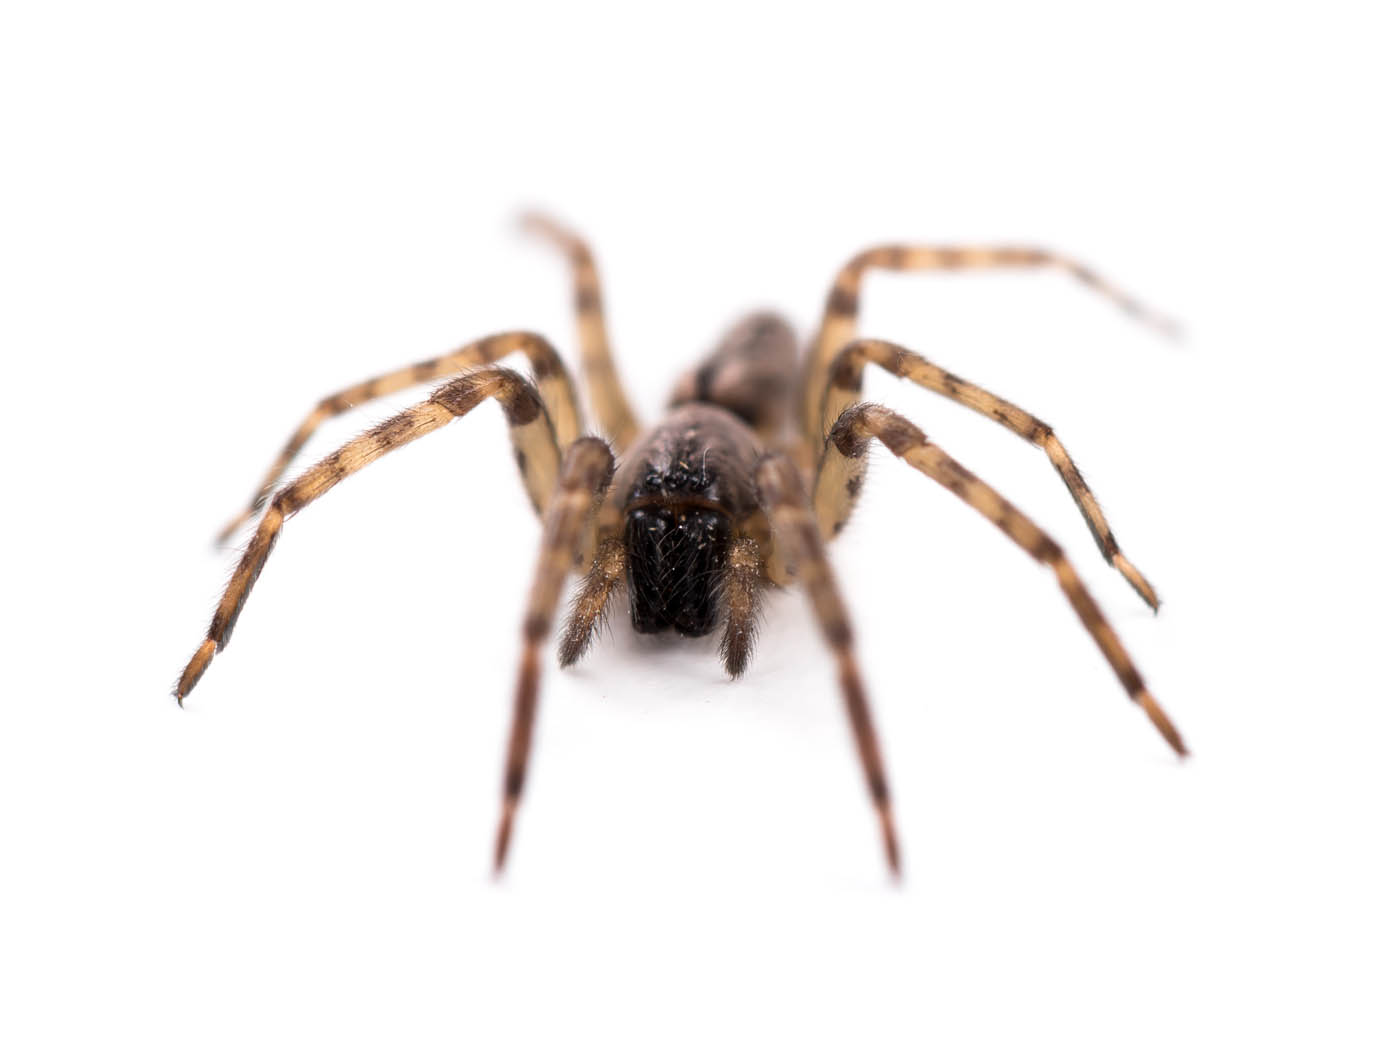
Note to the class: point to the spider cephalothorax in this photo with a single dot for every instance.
(756, 464)
(688, 484)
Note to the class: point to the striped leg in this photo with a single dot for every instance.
(844, 389)
(530, 432)
(555, 388)
(839, 319)
(584, 477)
(605, 391)
(795, 528)
(844, 459)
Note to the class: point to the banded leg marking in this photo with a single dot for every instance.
(605, 391)
(838, 324)
(524, 413)
(850, 437)
(555, 387)
(584, 478)
(844, 389)
(795, 529)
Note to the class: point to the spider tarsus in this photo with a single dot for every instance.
(1162, 723)
(194, 670)
(224, 535)
(533, 221)
(736, 659)
(572, 647)
(503, 831)
(891, 841)
(1137, 581)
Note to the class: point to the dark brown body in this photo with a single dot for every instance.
(687, 488)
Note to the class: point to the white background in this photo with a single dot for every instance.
(212, 217)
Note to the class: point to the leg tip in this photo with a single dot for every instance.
(224, 535)
(1163, 724)
(503, 833)
(890, 838)
(193, 671)
(1138, 582)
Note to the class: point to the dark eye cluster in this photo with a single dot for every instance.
(680, 477)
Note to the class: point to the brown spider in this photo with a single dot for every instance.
(756, 465)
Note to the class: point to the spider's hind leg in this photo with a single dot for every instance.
(838, 324)
(610, 406)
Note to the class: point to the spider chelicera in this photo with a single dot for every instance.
(757, 463)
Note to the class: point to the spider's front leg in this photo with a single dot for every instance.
(531, 432)
(794, 527)
(843, 389)
(839, 478)
(583, 482)
(555, 388)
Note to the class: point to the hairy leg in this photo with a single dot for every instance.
(583, 480)
(838, 324)
(795, 529)
(591, 601)
(844, 389)
(556, 390)
(530, 429)
(605, 390)
(742, 593)
(850, 438)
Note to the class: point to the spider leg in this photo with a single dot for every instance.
(844, 388)
(584, 477)
(530, 430)
(609, 566)
(850, 438)
(741, 592)
(838, 324)
(556, 390)
(605, 390)
(795, 529)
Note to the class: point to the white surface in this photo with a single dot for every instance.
(211, 220)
